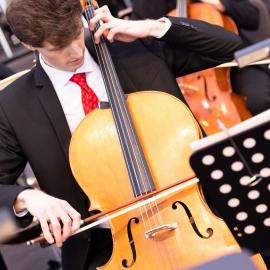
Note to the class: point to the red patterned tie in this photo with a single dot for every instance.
(89, 98)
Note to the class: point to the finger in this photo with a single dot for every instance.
(102, 29)
(66, 220)
(56, 228)
(45, 229)
(76, 217)
(103, 9)
(100, 17)
(105, 34)
(50, 227)
(112, 33)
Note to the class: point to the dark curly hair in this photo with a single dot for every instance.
(34, 21)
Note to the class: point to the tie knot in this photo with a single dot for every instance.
(79, 78)
(89, 97)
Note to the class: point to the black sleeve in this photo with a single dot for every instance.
(12, 164)
(192, 45)
(244, 14)
(151, 9)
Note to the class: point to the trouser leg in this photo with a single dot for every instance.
(254, 83)
(2, 263)
(100, 248)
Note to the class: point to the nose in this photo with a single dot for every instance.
(75, 51)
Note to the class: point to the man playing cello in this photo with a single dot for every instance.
(40, 110)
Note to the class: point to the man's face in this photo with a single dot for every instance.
(67, 58)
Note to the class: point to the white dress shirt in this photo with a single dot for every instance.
(69, 93)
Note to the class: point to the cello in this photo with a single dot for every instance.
(212, 85)
(137, 146)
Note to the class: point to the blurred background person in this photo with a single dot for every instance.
(151, 9)
(252, 20)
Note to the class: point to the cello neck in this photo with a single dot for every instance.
(139, 173)
(181, 8)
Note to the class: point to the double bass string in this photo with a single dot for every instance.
(104, 50)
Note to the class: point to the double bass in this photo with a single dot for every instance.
(132, 148)
(212, 85)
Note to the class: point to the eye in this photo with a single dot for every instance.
(59, 48)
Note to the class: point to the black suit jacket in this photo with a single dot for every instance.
(33, 126)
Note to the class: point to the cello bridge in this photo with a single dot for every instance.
(187, 87)
(152, 232)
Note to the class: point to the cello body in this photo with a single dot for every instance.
(212, 85)
(98, 165)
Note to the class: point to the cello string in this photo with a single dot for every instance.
(101, 60)
(121, 114)
(151, 242)
(133, 184)
(170, 247)
(96, 47)
(143, 220)
(121, 96)
(150, 204)
(151, 208)
(140, 209)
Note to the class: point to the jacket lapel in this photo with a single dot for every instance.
(53, 108)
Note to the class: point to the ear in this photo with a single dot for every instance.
(30, 47)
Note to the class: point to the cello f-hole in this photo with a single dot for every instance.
(206, 89)
(192, 221)
(132, 244)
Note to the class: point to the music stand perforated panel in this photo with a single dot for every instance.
(225, 179)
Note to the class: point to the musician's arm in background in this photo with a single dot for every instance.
(151, 9)
(244, 14)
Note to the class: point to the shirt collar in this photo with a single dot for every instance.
(61, 77)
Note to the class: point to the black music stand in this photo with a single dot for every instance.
(225, 179)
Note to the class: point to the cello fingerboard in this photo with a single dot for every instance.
(139, 173)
